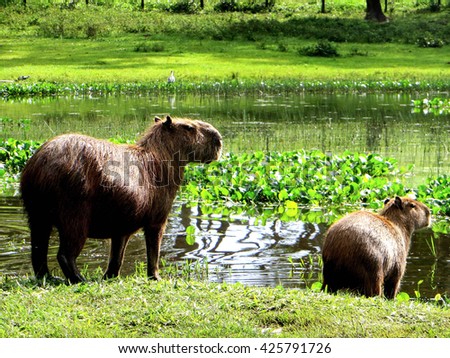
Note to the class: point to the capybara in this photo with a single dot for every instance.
(366, 252)
(86, 187)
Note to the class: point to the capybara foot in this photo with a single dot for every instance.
(155, 277)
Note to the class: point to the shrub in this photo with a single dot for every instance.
(282, 47)
(153, 47)
(74, 24)
(226, 6)
(320, 49)
(184, 7)
(428, 40)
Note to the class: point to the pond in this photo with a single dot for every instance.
(239, 247)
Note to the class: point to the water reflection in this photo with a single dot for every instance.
(237, 249)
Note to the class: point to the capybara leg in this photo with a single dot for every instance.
(327, 284)
(40, 236)
(392, 285)
(391, 289)
(69, 248)
(153, 238)
(373, 285)
(117, 251)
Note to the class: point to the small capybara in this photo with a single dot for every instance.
(366, 252)
(86, 187)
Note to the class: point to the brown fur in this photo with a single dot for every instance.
(366, 252)
(87, 187)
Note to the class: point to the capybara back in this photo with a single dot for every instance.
(366, 252)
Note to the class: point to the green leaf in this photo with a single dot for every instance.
(283, 195)
(402, 297)
(190, 235)
(316, 287)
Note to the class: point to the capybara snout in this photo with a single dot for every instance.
(87, 187)
(366, 252)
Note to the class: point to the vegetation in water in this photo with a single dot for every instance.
(15, 153)
(13, 156)
(436, 191)
(288, 180)
(225, 87)
(436, 105)
(313, 178)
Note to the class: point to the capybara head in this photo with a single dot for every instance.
(411, 213)
(192, 141)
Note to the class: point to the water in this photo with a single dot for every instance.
(384, 124)
(242, 248)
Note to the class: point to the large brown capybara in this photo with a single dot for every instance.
(87, 187)
(366, 252)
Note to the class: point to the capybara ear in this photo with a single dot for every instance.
(168, 121)
(157, 119)
(398, 202)
(386, 201)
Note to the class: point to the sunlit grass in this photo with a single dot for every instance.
(115, 60)
(179, 307)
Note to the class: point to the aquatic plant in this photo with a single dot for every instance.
(277, 183)
(302, 177)
(15, 153)
(224, 87)
(436, 105)
(436, 191)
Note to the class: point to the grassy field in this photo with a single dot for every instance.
(111, 45)
(84, 61)
(135, 307)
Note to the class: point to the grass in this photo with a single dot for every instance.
(135, 307)
(54, 45)
(86, 61)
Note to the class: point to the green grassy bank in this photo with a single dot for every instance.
(135, 307)
(99, 45)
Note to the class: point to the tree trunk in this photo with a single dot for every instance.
(142, 4)
(374, 11)
(323, 7)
